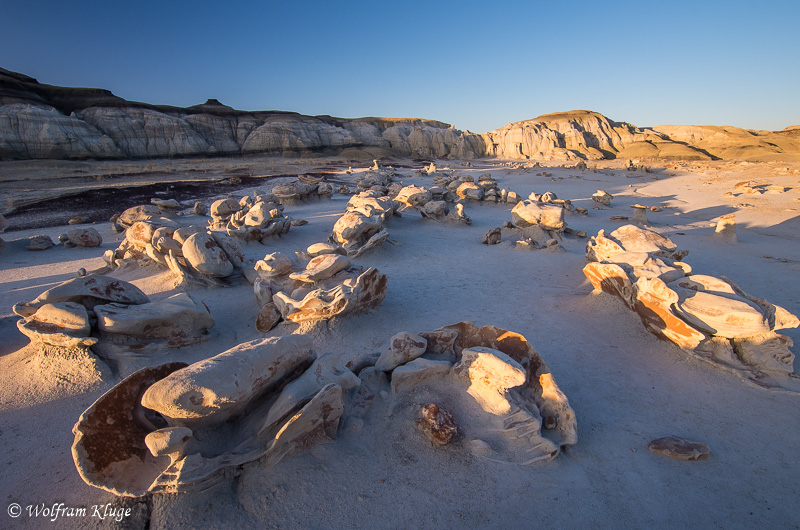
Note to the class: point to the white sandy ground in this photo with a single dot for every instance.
(626, 386)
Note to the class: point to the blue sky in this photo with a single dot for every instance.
(476, 65)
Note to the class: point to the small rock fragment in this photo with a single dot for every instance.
(678, 448)
(602, 197)
(268, 317)
(492, 237)
(437, 424)
(726, 229)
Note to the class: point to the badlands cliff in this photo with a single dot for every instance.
(51, 122)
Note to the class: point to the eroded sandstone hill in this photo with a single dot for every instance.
(45, 121)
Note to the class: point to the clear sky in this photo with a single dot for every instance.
(476, 65)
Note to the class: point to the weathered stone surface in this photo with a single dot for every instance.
(216, 389)
(169, 441)
(205, 256)
(416, 372)
(653, 302)
(376, 240)
(140, 233)
(85, 237)
(678, 448)
(180, 235)
(166, 203)
(403, 347)
(88, 291)
(322, 268)
(369, 206)
(260, 215)
(470, 191)
(268, 317)
(766, 351)
(610, 278)
(437, 424)
(319, 249)
(231, 247)
(355, 294)
(293, 191)
(529, 213)
(640, 215)
(630, 238)
(491, 373)
(602, 197)
(317, 422)
(109, 448)
(39, 242)
(440, 342)
(328, 369)
(143, 212)
(273, 265)
(179, 319)
(353, 228)
(724, 316)
(643, 265)
(434, 209)
(726, 229)
(414, 196)
(224, 208)
(61, 324)
(492, 237)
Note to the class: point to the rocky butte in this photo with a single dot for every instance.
(39, 121)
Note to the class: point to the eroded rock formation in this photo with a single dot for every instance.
(178, 428)
(709, 317)
(111, 318)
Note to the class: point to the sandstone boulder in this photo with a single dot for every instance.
(414, 196)
(273, 265)
(403, 347)
(366, 290)
(61, 324)
(85, 237)
(39, 242)
(144, 212)
(178, 319)
(322, 268)
(214, 390)
(205, 256)
(88, 291)
(529, 213)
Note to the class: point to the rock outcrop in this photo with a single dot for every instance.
(581, 134)
(177, 428)
(43, 121)
(710, 318)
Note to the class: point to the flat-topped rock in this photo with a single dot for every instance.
(529, 213)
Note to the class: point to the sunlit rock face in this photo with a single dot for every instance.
(706, 316)
(577, 134)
